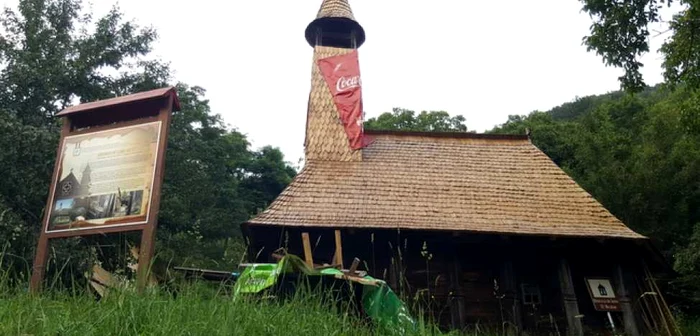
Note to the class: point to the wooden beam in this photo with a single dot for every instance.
(510, 289)
(353, 267)
(338, 249)
(307, 249)
(148, 235)
(457, 306)
(573, 318)
(42, 250)
(628, 317)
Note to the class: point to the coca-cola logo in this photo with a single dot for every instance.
(347, 83)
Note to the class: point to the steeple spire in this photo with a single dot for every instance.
(334, 32)
(335, 26)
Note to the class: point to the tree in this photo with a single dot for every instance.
(407, 120)
(634, 155)
(53, 55)
(620, 34)
(49, 60)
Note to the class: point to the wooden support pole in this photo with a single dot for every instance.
(338, 249)
(354, 266)
(39, 266)
(628, 316)
(308, 257)
(512, 299)
(566, 282)
(42, 250)
(457, 308)
(148, 237)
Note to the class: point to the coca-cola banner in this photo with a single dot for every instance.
(342, 74)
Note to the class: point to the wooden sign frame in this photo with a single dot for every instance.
(143, 109)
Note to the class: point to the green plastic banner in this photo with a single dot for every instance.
(378, 300)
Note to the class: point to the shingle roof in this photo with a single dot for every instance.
(335, 9)
(456, 182)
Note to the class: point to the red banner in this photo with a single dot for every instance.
(342, 74)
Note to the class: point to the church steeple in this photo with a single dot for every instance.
(334, 32)
(335, 26)
(85, 180)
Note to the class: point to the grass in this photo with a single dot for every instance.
(195, 310)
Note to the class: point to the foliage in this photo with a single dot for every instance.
(407, 120)
(53, 54)
(620, 34)
(636, 156)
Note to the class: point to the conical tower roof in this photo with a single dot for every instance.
(335, 26)
(335, 9)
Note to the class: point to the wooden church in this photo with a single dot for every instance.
(481, 231)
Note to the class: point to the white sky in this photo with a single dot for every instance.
(482, 59)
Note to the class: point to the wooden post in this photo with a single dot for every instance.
(338, 249)
(39, 266)
(148, 234)
(42, 249)
(628, 317)
(353, 266)
(456, 302)
(307, 249)
(510, 289)
(575, 327)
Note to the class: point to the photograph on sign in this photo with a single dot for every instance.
(105, 178)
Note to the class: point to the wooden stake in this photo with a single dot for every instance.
(307, 249)
(353, 267)
(338, 249)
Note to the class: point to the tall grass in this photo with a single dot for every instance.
(190, 309)
(195, 310)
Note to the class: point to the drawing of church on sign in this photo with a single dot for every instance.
(481, 230)
(69, 187)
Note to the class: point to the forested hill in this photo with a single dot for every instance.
(638, 155)
(581, 106)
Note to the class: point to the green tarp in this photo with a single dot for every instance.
(379, 302)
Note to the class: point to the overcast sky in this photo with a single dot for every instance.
(482, 59)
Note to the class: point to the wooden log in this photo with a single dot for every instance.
(575, 327)
(308, 257)
(353, 267)
(338, 259)
(457, 307)
(628, 316)
(510, 289)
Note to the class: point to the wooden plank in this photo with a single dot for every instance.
(629, 320)
(148, 236)
(308, 257)
(42, 249)
(456, 300)
(96, 231)
(575, 327)
(512, 296)
(353, 267)
(338, 249)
